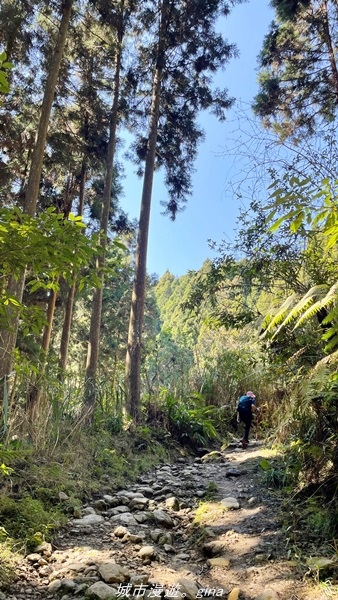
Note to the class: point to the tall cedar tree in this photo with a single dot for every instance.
(8, 337)
(118, 15)
(93, 51)
(298, 67)
(185, 51)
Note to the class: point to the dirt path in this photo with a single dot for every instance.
(163, 536)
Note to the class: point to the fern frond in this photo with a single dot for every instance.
(304, 303)
(331, 297)
(280, 315)
(333, 341)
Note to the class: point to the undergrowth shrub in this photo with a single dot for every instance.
(27, 520)
(189, 420)
(8, 561)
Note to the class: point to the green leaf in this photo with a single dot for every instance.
(265, 465)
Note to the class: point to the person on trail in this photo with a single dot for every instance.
(245, 408)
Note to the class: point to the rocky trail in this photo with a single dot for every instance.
(163, 537)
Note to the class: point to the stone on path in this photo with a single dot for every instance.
(88, 520)
(120, 531)
(45, 549)
(213, 548)
(54, 586)
(252, 501)
(139, 579)
(230, 503)
(267, 595)
(147, 552)
(233, 472)
(113, 573)
(220, 561)
(101, 591)
(124, 519)
(172, 503)
(139, 502)
(33, 558)
(188, 587)
(162, 518)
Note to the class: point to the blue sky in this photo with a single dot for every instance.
(211, 210)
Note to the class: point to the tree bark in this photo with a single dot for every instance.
(32, 190)
(67, 323)
(16, 287)
(133, 357)
(33, 402)
(330, 47)
(95, 321)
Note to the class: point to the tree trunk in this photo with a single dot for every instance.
(67, 323)
(133, 357)
(35, 391)
(95, 321)
(8, 338)
(330, 46)
(32, 190)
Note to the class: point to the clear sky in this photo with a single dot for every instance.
(211, 210)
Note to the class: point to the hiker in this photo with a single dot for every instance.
(246, 406)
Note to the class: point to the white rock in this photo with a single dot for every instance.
(121, 531)
(63, 496)
(147, 552)
(33, 558)
(230, 503)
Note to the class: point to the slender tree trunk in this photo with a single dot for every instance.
(330, 47)
(66, 329)
(67, 323)
(49, 325)
(95, 321)
(35, 391)
(8, 338)
(32, 190)
(133, 357)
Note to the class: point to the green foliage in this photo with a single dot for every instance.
(298, 85)
(279, 473)
(211, 490)
(5, 66)
(189, 423)
(50, 247)
(303, 204)
(27, 520)
(9, 560)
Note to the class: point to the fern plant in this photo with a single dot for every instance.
(300, 310)
(304, 205)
